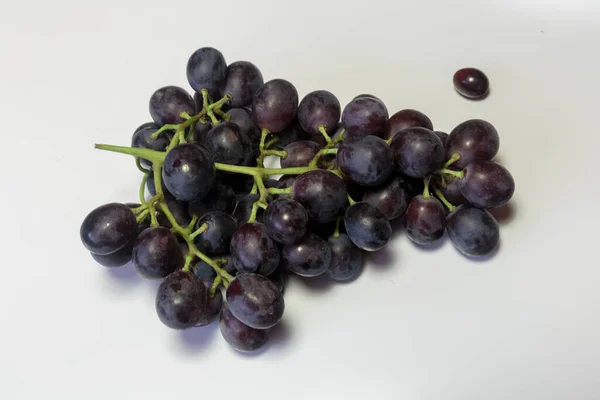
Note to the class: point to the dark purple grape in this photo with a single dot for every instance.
(145, 223)
(229, 267)
(156, 253)
(364, 116)
(322, 193)
(487, 184)
(452, 191)
(146, 125)
(189, 172)
(217, 238)
(346, 258)
(152, 187)
(274, 105)
(404, 119)
(473, 231)
(308, 256)
(414, 186)
(418, 152)
(108, 228)
(200, 131)
(180, 300)
(390, 198)
(116, 259)
(319, 108)
(142, 139)
(278, 279)
(242, 118)
(241, 184)
(168, 102)
(471, 83)
(227, 144)
(240, 336)
(425, 220)
(443, 136)
(285, 220)
(368, 161)
(284, 182)
(474, 140)
(292, 133)
(179, 209)
(319, 140)
(299, 154)
(213, 307)
(253, 250)
(204, 271)
(255, 300)
(243, 80)
(367, 227)
(220, 198)
(207, 69)
(322, 230)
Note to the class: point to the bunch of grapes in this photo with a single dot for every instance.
(221, 231)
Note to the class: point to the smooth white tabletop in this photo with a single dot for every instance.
(417, 324)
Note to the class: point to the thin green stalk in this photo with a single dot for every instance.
(325, 134)
(455, 157)
(458, 174)
(142, 191)
(198, 231)
(426, 193)
(443, 199)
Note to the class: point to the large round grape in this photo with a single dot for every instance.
(189, 172)
(243, 79)
(213, 306)
(168, 102)
(274, 105)
(255, 300)
(299, 153)
(207, 69)
(239, 335)
(308, 256)
(487, 184)
(367, 227)
(368, 161)
(227, 144)
(217, 238)
(319, 108)
(156, 253)
(285, 220)
(364, 116)
(253, 250)
(322, 193)
(346, 258)
(108, 228)
(180, 300)
(406, 119)
(143, 139)
(220, 198)
(391, 198)
(425, 220)
(474, 140)
(418, 152)
(116, 259)
(473, 231)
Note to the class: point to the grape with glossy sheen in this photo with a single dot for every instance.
(189, 172)
(474, 140)
(425, 220)
(156, 253)
(217, 238)
(322, 193)
(142, 139)
(471, 83)
(179, 209)
(255, 300)
(108, 228)
(473, 231)
(239, 335)
(117, 259)
(180, 300)
(404, 119)
(207, 69)
(346, 258)
(364, 116)
(299, 154)
(285, 220)
(243, 79)
(418, 152)
(213, 306)
(368, 161)
(317, 108)
(253, 250)
(227, 144)
(168, 102)
(367, 227)
(220, 198)
(274, 105)
(391, 198)
(308, 256)
(487, 184)
(292, 133)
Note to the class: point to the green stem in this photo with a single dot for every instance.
(157, 169)
(278, 153)
(184, 115)
(458, 174)
(142, 216)
(443, 199)
(198, 231)
(324, 133)
(426, 193)
(216, 106)
(181, 135)
(321, 153)
(455, 157)
(191, 225)
(208, 109)
(280, 191)
(138, 164)
(271, 142)
(142, 191)
(254, 189)
(351, 200)
(340, 137)
(338, 221)
(214, 287)
(224, 116)
(188, 262)
(263, 171)
(151, 155)
(263, 137)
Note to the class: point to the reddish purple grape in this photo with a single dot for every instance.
(404, 119)
(168, 102)
(319, 108)
(364, 116)
(275, 105)
(285, 220)
(239, 336)
(473, 231)
(243, 79)
(418, 152)
(308, 256)
(487, 184)
(425, 220)
(253, 250)
(108, 228)
(181, 300)
(474, 140)
(322, 193)
(367, 227)
(471, 83)
(368, 161)
(346, 258)
(299, 154)
(391, 198)
(156, 253)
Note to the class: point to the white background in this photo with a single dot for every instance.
(417, 324)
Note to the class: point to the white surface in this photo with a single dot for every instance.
(427, 324)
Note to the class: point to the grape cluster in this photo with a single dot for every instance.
(221, 231)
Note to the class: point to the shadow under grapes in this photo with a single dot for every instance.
(199, 338)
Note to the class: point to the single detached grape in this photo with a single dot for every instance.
(368, 161)
(189, 172)
(239, 335)
(364, 116)
(292, 133)
(220, 198)
(471, 83)
(406, 119)
(322, 193)
(308, 256)
(243, 79)
(285, 220)
(227, 144)
(391, 198)
(168, 102)
(180, 300)
(207, 69)
(299, 154)
(253, 250)
(425, 220)
(474, 139)
(255, 300)
(346, 258)
(217, 238)
(274, 105)
(473, 231)
(319, 108)
(487, 184)
(418, 152)
(108, 228)
(213, 306)
(179, 209)
(367, 227)
(156, 253)
(142, 139)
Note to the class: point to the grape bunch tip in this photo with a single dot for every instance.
(221, 234)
